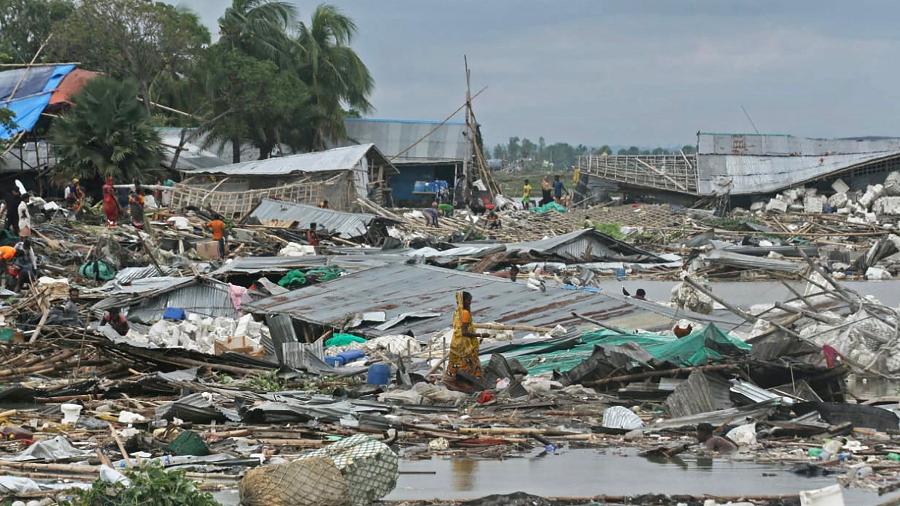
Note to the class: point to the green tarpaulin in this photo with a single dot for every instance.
(546, 208)
(700, 347)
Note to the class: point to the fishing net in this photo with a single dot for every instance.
(352, 472)
(308, 482)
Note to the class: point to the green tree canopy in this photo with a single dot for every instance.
(255, 102)
(106, 133)
(131, 39)
(335, 75)
(26, 24)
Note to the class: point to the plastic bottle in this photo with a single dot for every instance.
(895, 457)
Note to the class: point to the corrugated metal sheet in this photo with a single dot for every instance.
(254, 265)
(446, 143)
(347, 225)
(399, 288)
(333, 160)
(584, 245)
(788, 145)
(148, 298)
(129, 275)
(732, 259)
(764, 174)
(701, 393)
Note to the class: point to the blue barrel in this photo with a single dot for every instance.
(333, 361)
(350, 355)
(419, 186)
(379, 374)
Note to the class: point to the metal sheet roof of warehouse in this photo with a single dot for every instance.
(399, 288)
(447, 142)
(333, 160)
(347, 225)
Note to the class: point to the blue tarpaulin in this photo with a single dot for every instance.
(32, 95)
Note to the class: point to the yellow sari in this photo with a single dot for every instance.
(463, 349)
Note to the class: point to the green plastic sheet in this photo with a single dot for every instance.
(703, 346)
(546, 208)
(343, 340)
(297, 278)
(98, 270)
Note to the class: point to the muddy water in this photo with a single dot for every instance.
(747, 293)
(596, 472)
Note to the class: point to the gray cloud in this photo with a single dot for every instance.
(631, 72)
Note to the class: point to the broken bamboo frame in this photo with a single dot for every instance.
(659, 374)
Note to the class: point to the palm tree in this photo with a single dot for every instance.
(106, 133)
(258, 28)
(334, 73)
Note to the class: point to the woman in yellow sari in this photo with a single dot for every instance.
(463, 356)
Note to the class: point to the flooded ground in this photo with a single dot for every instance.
(747, 293)
(595, 472)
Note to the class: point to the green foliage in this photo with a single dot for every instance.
(26, 24)
(613, 230)
(150, 42)
(150, 484)
(254, 101)
(258, 28)
(106, 133)
(267, 382)
(333, 72)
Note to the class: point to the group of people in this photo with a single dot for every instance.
(554, 191)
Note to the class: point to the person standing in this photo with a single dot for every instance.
(26, 262)
(462, 362)
(558, 189)
(546, 191)
(431, 215)
(312, 237)
(136, 206)
(526, 194)
(110, 203)
(12, 200)
(24, 217)
(74, 196)
(218, 234)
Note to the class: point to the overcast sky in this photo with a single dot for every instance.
(631, 72)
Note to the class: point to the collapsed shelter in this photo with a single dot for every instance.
(340, 176)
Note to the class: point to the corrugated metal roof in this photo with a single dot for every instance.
(333, 160)
(584, 245)
(446, 143)
(347, 225)
(400, 288)
(205, 297)
(253, 265)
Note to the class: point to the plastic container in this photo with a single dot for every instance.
(333, 361)
(351, 355)
(379, 374)
(419, 186)
(71, 412)
(173, 313)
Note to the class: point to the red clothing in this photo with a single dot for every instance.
(110, 206)
(312, 237)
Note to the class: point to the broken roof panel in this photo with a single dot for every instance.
(333, 160)
(584, 245)
(346, 225)
(30, 89)
(400, 288)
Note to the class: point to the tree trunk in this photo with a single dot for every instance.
(235, 150)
